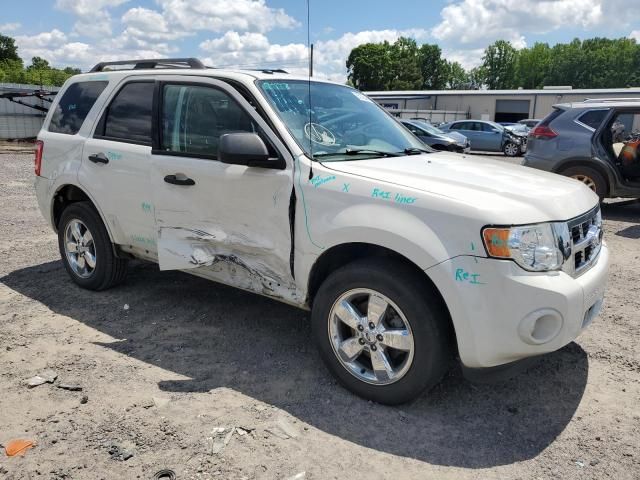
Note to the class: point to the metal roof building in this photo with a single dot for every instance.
(18, 121)
(496, 105)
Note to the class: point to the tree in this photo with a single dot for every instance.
(456, 77)
(405, 65)
(435, 70)
(8, 49)
(38, 63)
(498, 62)
(369, 66)
(532, 66)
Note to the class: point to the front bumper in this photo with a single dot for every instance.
(502, 313)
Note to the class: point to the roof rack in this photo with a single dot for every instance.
(612, 99)
(269, 70)
(152, 63)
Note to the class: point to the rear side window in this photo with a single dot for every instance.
(128, 117)
(73, 107)
(458, 126)
(194, 117)
(551, 117)
(593, 118)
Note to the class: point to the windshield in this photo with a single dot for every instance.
(341, 122)
(427, 127)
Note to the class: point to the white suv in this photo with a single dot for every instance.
(310, 193)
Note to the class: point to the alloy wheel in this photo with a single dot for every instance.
(588, 181)
(511, 149)
(79, 248)
(371, 337)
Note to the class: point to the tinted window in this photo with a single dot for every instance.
(459, 126)
(593, 118)
(486, 127)
(128, 118)
(74, 106)
(194, 118)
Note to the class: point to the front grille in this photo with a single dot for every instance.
(586, 240)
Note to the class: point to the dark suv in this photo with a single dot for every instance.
(595, 141)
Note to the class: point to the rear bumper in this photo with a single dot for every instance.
(502, 314)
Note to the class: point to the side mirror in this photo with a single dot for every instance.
(246, 148)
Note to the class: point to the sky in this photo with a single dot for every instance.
(273, 33)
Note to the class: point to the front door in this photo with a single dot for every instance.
(225, 222)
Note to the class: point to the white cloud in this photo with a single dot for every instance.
(94, 20)
(253, 50)
(636, 35)
(10, 27)
(225, 15)
(480, 22)
(468, 58)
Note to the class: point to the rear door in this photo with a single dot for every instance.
(467, 129)
(227, 222)
(116, 164)
(489, 137)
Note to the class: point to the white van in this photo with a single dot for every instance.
(308, 192)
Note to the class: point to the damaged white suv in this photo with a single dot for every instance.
(310, 193)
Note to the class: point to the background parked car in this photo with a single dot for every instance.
(489, 136)
(596, 142)
(436, 138)
(529, 122)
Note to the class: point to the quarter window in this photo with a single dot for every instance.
(194, 117)
(74, 106)
(593, 118)
(128, 117)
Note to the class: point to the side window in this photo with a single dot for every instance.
(73, 107)
(128, 117)
(458, 126)
(194, 117)
(485, 127)
(413, 129)
(593, 118)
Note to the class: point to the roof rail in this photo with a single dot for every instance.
(152, 63)
(612, 99)
(269, 70)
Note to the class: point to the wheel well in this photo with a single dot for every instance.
(593, 165)
(63, 198)
(341, 255)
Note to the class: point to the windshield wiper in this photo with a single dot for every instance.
(360, 151)
(416, 151)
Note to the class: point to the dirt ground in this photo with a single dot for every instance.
(167, 360)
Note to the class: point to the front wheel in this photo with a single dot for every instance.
(86, 249)
(384, 340)
(510, 149)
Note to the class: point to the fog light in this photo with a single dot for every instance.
(540, 326)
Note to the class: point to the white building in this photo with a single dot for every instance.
(498, 105)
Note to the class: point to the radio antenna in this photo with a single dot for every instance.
(310, 51)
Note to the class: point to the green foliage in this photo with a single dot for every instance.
(591, 63)
(39, 72)
(499, 62)
(8, 49)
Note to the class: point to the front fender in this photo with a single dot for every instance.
(390, 227)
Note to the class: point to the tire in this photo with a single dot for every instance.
(94, 248)
(419, 306)
(590, 177)
(510, 149)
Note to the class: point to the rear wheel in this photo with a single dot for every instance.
(383, 340)
(590, 177)
(86, 250)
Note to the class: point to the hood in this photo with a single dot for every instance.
(496, 191)
(458, 137)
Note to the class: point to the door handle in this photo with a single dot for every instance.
(174, 180)
(99, 158)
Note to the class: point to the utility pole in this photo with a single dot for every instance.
(311, 61)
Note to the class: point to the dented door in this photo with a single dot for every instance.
(225, 222)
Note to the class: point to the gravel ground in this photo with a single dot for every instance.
(187, 358)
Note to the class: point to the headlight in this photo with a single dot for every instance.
(538, 248)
